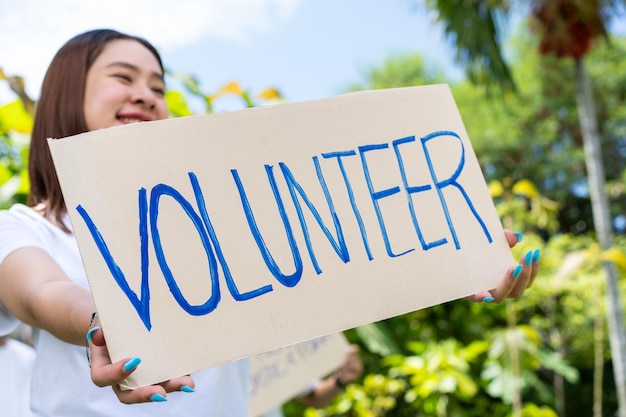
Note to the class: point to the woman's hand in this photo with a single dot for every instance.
(104, 373)
(518, 278)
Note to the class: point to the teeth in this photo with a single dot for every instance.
(128, 120)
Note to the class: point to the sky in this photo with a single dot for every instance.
(308, 49)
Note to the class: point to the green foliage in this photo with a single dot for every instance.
(532, 410)
(177, 104)
(400, 71)
(472, 27)
(377, 339)
(504, 370)
(438, 375)
(535, 134)
(15, 124)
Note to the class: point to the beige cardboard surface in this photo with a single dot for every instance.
(282, 374)
(216, 237)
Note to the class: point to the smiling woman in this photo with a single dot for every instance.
(98, 79)
(128, 83)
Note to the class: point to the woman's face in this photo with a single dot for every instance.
(124, 85)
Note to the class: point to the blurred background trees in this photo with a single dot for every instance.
(548, 353)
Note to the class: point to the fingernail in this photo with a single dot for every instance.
(488, 299)
(158, 398)
(529, 257)
(536, 255)
(519, 236)
(517, 271)
(90, 332)
(132, 364)
(187, 388)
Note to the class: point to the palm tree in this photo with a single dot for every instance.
(567, 29)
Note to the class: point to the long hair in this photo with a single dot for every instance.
(60, 113)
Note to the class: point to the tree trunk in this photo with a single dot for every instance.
(512, 343)
(598, 352)
(603, 228)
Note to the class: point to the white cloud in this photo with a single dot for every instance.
(31, 31)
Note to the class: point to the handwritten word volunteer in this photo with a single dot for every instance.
(148, 214)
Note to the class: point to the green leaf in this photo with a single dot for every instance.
(377, 339)
(177, 104)
(8, 190)
(617, 257)
(5, 174)
(555, 362)
(13, 117)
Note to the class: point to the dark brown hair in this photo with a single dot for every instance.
(60, 112)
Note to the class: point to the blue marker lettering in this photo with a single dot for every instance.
(211, 304)
(142, 303)
(286, 280)
(230, 282)
(355, 209)
(148, 215)
(452, 180)
(412, 190)
(378, 195)
(294, 187)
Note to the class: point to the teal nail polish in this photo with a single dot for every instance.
(517, 271)
(90, 332)
(158, 398)
(519, 236)
(536, 255)
(488, 299)
(529, 257)
(132, 364)
(187, 388)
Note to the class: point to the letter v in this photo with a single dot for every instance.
(141, 304)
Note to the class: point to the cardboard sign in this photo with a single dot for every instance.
(216, 237)
(282, 374)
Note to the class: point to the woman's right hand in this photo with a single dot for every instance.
(104, 373)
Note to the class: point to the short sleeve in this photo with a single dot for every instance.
(8, 322)
(16, 231)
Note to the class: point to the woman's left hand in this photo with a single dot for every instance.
(518, 278)
(104, 373)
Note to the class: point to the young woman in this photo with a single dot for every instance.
(97, 80)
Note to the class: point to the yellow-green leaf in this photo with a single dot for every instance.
(5, 174)
(14, 117)
(177, 104)
(24, 183)
(617, 257)
(495, 188)
(525, 188)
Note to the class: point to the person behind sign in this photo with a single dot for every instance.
(100, 79)
(322, 393)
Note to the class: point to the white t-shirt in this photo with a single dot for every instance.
(16, 363)
(62, 385)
